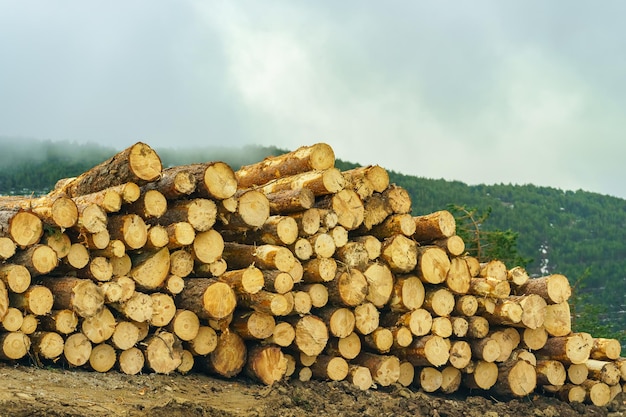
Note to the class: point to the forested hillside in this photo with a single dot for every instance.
(579, 234)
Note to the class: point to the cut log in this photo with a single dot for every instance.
(130, 229)
(361, 377)
(489, 287)
(266, 364)
(208, 298)
(278, 281)
(91, 219)
(385, 369)
(158, 237)
(352, 254)
(460, 326)
(333, 368)
(577, 373)
(319, 156)
(151, 269)
(480, 375)
(508, 339)
(318, 294)
(574, 348)
(283, 335)
(550, 372)
(37, 300)
(137, 308)
(139, 164)
(458, 278)
(430, 379)
(29, 324)
(14, 345)
(163, 309)
(99, 270)
(460, 354)
(418, 321)
(308, 221)
(163, 352)
(15, 276)
(253, 210)
(428, 350)
(440, 302)
(263, 257)
(266, 302)
(366, 318)
(125, 335)
(229, 356)
(181, 263)
(38, 259)
(253, 325)
(103, 357)
(400, 253)
(438, 225)
(349, 288)
(517, 276)
(395, 224)
(23, 227)
(290, 201)
(77, 349)
(466, 305)
(494, 269)
(485, 349)
(598, 393)
(174, 183)
(453, 245)
(500, 311)
(204, 343)
(348, 347)
(7, 247)
(109, 199)
(348, 207)
(407, 293)
(605, 371)
(131, 361)
(557, 320)
(59, 321)
(605, 349)
(311, 335)
(516, 379)
(380, 340)
(478, 327)
(47, 345)
(569, 392)
(340, 320)
(321, 182)
(553, 288)
(380, 283)
(533, 310)
(249, 280)
(99, 327)
(407, 374)
(442, 326)
(319, 270)
(534, 339)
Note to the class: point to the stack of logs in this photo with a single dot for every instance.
(287, 268)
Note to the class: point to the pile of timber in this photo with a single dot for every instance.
(287, 268)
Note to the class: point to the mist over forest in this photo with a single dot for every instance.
(578, 234)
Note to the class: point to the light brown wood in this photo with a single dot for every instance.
(253, 210)
(266, 302)
(163, 309)
(13, 319)
(605, 371)
(266, 364)
(130, 229)
(308, 221)
(605, 349)
(208, 298)
(38, 259)
(181, 263)
(366, 318)
(7, 247)
(516, 379)
(349, 288)
(302, 249)
(125, 335)
(380, 340)
(482, 375)
(278, 281)
(290, 201)
(458, 278)
(550, 372)
(418, 321)
(478, 327)
(485, 349)
(319, 156)
(460, 354)
(440, 302)
(174, 183)
(361, 377)
(109, 199)
(253, 325)
(385, 369)
(534, 339)
(214, 180)
(333, 368)
(158, 237)
(29, 324)
(407, 293)
(577, 373)
(99, 327)
(263, 257)
(574, 348)
(348, 207)
(14, 345)
(466, 305)
(320, 182)
(517, 276)
(319, 270)
(150, 269)
(598, 393)
(489, 287)
(103, 357)
(453, 245)
(311, 335)
(442, 326)
(37, 299)
(204, 343)
(553, 288)
(151, 204)
(163, 352)
(16, 277)
(23, 227)
(131, 361)
(340, 320)
(249, 280)
(139, 164)
(430, 379)
(429, 350)
(323, 245)
(568, 392)
(394, 224)
(557, 319)
(200, 213)
(77, 349)
(283, 335)
(47, 345)
(229, 356)
(400, 253)
(318, 294)
(347, 347)
(353, 255)
(438, 225)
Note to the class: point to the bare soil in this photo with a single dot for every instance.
(32, 391)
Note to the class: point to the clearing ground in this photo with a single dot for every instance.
(31, 391)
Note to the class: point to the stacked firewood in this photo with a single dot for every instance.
(287, 268)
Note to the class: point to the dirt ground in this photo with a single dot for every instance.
(31, 391)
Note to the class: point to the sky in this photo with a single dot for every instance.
(514, 92)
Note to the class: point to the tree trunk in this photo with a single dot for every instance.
(249, 280)
(553, 288)
(426, 351)
(408, 293)
(440, 302)
(290, 201)
(208, 298)
(263, 257)
(174, 183)
(253, 325)
(349, 288)
(47, 345)
(550, 372)
(125, 335)
(266, 364)
(574, 348)
(138, 163)
(151, 269)
(320, 182)
(460, 354)
(229, 356)
(516, 379)
(38, 259)
(37, 300)
(15, 276)
(458, 278)
(348, 207)
(438, 225)
(400, 253)
(333, 368)
(131, 361)
(163, 352)
(385, 369)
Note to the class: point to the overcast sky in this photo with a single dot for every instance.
(477, 91)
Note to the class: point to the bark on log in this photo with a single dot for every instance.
(400, 253)
(37, 300)
(229, 356)
(15, 276)
(266, 364)
(290, 201)
(208, 298)
(175, 183)
(319, 156)
(263, 257)
(249, 280)
(151, 269)
(453, 245)
(553, 288)
(385, 369)
(23, 227)
(408, 293)
(438, 225)
(321, 182)
(572, 349)
(605, 349)
(516, 379)
(426, 351)
(214, 180)
(348, 347)
(163, 352)
(333, 368)
(138, 163)
(349, 288)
